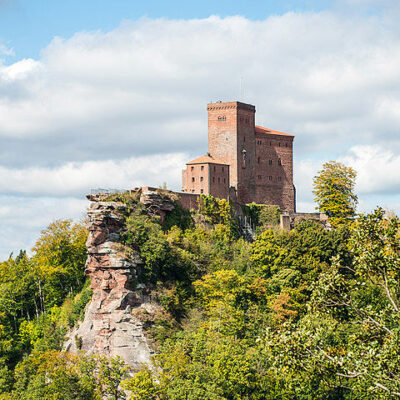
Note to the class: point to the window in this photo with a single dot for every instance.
(258, 160)
(202, 167)
(201, 179)
(279, 178)
(270, 143)
(193, 179)
(192, 190)
(279, 161)
(270, 178)
(222, 169)
(213, 179)
(218, 180)
(270, 162)
(224, 180)
(222, 118)
(259, 176)
(214, 168)
(191, 168)
(244, 139)
(285, 144)
(279, 144)
(201, 190)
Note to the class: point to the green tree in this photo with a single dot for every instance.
(58, 262)
(334, 192)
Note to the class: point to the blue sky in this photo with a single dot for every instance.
(112, 94)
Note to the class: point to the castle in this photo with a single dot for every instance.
(245, 162)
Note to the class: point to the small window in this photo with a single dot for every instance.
(285, 144)
(201, 179)
(218, 180)
(270, 178)
(279, 144)
(202, 167)
(279, 161)
(201, 190)
(258, 160)
(222, 169)
(259, 176)
(213, 179)
(244, 139)
(192, 190)
(191, 168)
(224, 180)
(214, 168)
(222, 118)
(279, 178)
(192, 179)
(270, 162)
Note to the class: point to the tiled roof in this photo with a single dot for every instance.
(206, 160)
(261, 129)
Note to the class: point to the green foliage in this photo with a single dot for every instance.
(305, 314)
(178, 217)
(263, 216)
(334, 192)
(59, 375)
(218, 212)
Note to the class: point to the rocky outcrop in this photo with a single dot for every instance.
(111, 326)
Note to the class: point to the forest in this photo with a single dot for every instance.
(310, 313)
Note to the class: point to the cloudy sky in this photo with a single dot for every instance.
(113, 95)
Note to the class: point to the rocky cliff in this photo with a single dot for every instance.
(112, 324)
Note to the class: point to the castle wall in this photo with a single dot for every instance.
(188, 200)
(196, 178)
(222, 140)
(274, 170)
(219, 181)
(231, 139)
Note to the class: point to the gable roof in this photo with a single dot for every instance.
(206, 159)
(261, 129)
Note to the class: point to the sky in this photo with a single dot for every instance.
(100, 94)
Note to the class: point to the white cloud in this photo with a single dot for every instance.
(127, 107)
(378, 169)
(22, 219)
(79, 178)
(323, 77)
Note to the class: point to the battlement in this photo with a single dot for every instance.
(230, 105)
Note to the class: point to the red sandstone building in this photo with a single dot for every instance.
(245, 162)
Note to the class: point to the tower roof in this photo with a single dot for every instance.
(261, 129)
(206, 159)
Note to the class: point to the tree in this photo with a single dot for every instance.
(59, 259)
(334, 192)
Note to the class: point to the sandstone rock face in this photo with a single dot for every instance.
(110, 326)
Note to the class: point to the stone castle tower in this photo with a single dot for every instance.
(245, 162)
